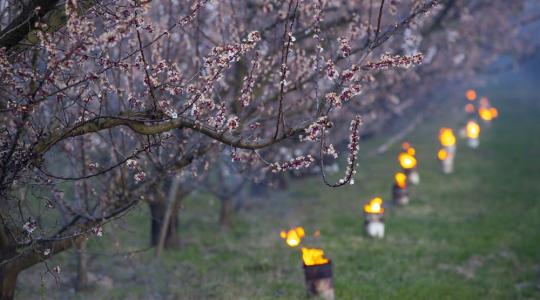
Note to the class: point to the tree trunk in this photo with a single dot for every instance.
(81, 281)
(8, 282)
(157, 211)
(225, 213)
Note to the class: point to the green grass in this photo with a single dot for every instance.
(474, 234)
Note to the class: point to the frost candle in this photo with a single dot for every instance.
(374, 223)
(318, 273)
(447, 153)
(473, 134)
(487, 113)
(317, 268)
(412, 173)
(400, 193)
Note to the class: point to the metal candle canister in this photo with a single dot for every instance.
(400, 192)
(318, 274)
(374, 222)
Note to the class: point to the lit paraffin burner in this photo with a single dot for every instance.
(400, 193)
(412, 173)
(473, 134)
(486, 112)
(374, 223)
(318, 273)
(447, 153)
(317, 268)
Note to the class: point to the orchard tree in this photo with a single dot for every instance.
(107, 104)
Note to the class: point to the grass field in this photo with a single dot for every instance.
(474, 234)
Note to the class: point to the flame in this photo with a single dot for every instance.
(494, 112)
(407, 161)
(473, 130)
(442, 154)
(374, 206)
(293, 237)
(406, 146)
(401, 179)
(313, 256)
(485, 114)
(469, 108)
(447, 137)
(471, 95)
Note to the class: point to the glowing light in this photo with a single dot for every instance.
(293, 237)
(442, 154)
(447, 137)
(494, 112)
(471, 95)
(485, 114)
(484, 102)
(406, 146)
(407, 161)
(473, 130)
(469, 108)
(313, 257)
(374, 206)
(401, 179)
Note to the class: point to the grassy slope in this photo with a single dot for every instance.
(471, 235)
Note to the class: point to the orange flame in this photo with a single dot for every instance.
(374, 206)
(407, 161)
(313, 256)
(485, 114)
(401, 179)
(442, 154)
(471, 95)
(469, 108)
(447, 137)
(494, 112)
(406, 146)
(293, 237)
(473, 130)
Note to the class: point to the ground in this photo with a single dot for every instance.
(474, 234)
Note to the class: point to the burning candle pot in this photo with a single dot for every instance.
(447, 153)
(486, 112)
(317, 268)
(400, 193)
(318, 273)
(473, 134)
(470, 95)
(374, 223)
(405, 161)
